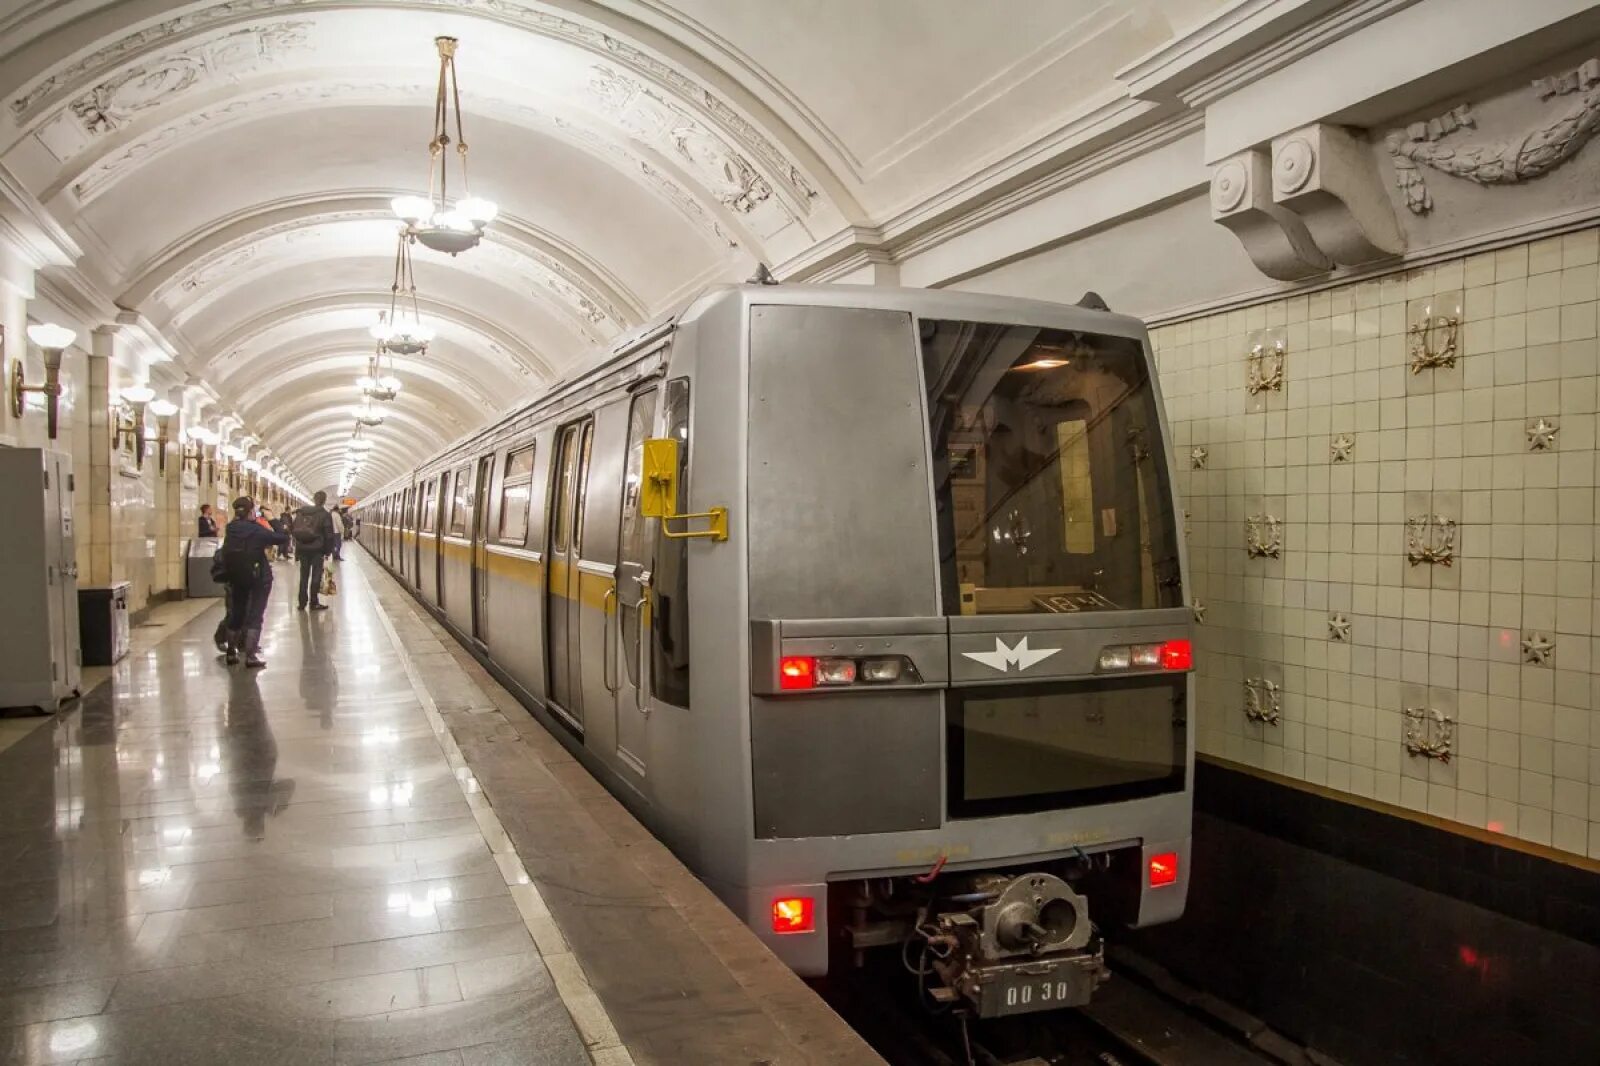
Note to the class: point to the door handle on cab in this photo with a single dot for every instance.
(605, 642)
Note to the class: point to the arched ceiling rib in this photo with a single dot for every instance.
(226, 164)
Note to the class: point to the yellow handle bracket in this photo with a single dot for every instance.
(717, 530)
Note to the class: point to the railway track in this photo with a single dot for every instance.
(1142, 1017)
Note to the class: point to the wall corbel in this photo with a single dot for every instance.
(1275, 238)
(1329, 178)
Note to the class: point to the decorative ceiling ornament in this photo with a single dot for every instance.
(1341, 447)
(379, 382)
(434, 220)
(1197, 457)
(1338, 628)
(400, 329)
(1532, 154)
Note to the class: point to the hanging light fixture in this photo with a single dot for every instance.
(433, 219)
(400, 329)
(366, 414)
(379, 382)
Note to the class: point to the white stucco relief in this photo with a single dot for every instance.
(753, 146)
(1531, 154)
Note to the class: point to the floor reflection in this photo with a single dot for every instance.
(252, 756)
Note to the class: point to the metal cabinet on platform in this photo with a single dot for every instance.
(197, 568)
(40, 660)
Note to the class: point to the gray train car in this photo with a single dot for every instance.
(869, 602)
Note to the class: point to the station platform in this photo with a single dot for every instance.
(365, 852)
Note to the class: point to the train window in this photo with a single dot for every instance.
(634, 547)
(1058, 745)
(669, 629)
(516, 491)
(566, 470)
(461, 502)
(1052, 489)
(583, 488)
(428, 510)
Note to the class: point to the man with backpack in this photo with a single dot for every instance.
(242, 564)
(314, 536)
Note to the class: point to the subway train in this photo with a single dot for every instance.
(868, 602)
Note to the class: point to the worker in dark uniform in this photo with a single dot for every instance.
(249, 578)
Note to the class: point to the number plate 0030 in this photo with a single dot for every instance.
(1031, 986)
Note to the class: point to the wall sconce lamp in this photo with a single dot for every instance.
(52, 341)
(163, 410)
(135, 400)
(232, 453)
(198, 438)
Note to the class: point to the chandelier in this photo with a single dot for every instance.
(366, 414)
(400, 329)
(432, 219)
(379, 382)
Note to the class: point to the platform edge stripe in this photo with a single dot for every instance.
(588, 1013)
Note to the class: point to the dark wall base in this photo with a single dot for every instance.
(1292, 917)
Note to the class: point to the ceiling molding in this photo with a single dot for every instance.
(264, 373)
(525, 362)
(592, 291)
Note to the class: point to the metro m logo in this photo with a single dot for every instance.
(1004, 657)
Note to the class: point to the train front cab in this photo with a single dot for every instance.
(969, 649)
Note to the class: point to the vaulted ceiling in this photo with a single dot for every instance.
(226, 167)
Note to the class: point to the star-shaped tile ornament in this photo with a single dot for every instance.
(1341, 447)
(1537, 649)
(1199, 610)
(1339, 628)
(1198, 457)
(1542, 435)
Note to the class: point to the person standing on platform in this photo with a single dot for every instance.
(338, 536)
(314, 537)
(207, 525)
(249, 579)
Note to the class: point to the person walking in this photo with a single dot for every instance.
(280, 524)
(207, 524)
(314, 536)
(249, 579)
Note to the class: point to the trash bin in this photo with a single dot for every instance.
(103, 624)
(197, 568)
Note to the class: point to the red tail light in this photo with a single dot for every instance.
(1177, 655)
(795, 915)
(797, 671)
(1164, 867)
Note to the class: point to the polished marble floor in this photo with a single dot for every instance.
(212, 865)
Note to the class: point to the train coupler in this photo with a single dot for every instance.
(1028, 947)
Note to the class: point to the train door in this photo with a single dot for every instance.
(634, 558)
(480, 552)
(563, 602)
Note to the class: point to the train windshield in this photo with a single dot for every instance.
(1052, 488)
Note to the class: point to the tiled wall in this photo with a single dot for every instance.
(1525, 754)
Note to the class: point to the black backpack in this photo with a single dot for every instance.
(234, 565)
(306, 530)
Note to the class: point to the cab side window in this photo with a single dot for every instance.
(669, 621)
